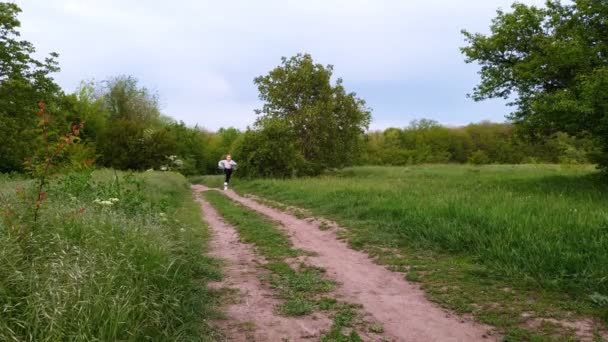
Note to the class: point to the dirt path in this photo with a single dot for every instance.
(252, 317)
(385, 295)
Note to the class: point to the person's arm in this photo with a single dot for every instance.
(234, 165)
(220, 164)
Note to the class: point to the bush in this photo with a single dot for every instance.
(271, 152)
(479, 158)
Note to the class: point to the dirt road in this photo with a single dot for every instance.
(251, 317)
(400, 306)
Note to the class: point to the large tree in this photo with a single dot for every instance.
(326, 122)
(553, 63)
(24, 81)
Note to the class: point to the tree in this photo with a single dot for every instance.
(326, 122)
(125, 99)
(269, 152)
(24, 82)
(136, 136)
(553, 62)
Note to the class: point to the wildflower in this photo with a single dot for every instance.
(163, 168)
(104, 202)
(114, 200)
(182, 230)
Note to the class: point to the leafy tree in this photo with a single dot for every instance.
(136, 135)
(191, 147)
(553, 62)
(125, 99)
(24, 82)
(269, 152)
(324, 120)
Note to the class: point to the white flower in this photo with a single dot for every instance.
(182, 230)
(106, 203)
(163, 168)
(114, 200)
(97, 200)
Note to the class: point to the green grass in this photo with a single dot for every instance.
(130, 271)
(304, 289)
(214, 181)
(494, 240)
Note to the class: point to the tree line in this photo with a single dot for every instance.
(309, 122)
(123, 126)
(426, 141)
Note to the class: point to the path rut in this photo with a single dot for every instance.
(252, 317)
(386, 296)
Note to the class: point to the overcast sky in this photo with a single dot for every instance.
(402, 57)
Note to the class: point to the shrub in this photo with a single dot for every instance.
(479, 158)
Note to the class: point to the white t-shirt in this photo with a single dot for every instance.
(225, 164)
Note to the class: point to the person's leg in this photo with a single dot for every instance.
(228, 175)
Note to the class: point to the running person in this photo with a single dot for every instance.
(228, 165)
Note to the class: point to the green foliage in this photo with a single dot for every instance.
(102, 269)
(125, 128)
(321, 121)
(217, 145)
(425, 141)
(479, 158)
(553, 62)
(270, 152)
(129, 132)
(24, 81)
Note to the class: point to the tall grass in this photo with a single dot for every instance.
(133, 270)
(546, 224)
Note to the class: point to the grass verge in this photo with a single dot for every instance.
(94, 269)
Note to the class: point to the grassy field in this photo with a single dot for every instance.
(502, 242)
(107, 261)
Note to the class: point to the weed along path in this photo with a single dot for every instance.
(401, 307)
(252, 317)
